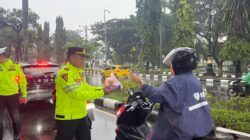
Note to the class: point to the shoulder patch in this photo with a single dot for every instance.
(65, 77)
(12, 68)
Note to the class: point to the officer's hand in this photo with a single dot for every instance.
(23, 100)
(106, 90)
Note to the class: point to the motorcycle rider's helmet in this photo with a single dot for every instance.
(182, 59)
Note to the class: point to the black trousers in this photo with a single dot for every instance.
(79, 128)
(11, 103)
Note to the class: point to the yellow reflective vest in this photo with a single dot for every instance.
(72, 93)
(11, 78)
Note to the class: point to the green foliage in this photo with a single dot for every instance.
(122, 37)
(236, 49)
(233, 113)
(13, 19)
(60, 39)
(46, 42)
(235, 120)
(236, 103)
(236, 17)
(184, 30)
(209, 28)
(148, 18)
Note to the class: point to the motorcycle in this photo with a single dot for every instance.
(238, 88)
(132, 116)
(132, 120)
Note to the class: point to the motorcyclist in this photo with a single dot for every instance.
(246, 78)
(184, 112)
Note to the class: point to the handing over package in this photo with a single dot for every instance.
(112, 83)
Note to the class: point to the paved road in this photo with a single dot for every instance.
(37, 123)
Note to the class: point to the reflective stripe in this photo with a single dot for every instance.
(68, 86)
(191, 108)
(71, 87)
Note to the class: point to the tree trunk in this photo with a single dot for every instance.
(220, 72)
(18, 48)
(238, 71)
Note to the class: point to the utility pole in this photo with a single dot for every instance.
(25, 19)
(160, 46)
(105, 35)
(86, 35)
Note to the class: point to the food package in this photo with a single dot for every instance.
(112, 83)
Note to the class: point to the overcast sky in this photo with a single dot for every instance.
(75, 12)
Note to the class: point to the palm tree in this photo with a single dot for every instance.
(236, 17)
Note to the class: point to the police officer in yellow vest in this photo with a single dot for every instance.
(72, 94)
(11, 80)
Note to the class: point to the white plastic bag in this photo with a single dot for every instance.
(112, 83)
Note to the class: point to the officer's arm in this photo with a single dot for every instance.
(22, 82)
(80, 91)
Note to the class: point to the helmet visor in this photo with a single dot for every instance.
(168, 59)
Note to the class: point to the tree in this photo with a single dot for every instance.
(13, 20)
(46, 42)
(39, 43)
(209, 29)
(60, 40)
(122, 35)
(237, 20)
(148, 20)
(184, 29)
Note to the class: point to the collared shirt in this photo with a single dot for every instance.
(73, 92)
(11, 79)
(184, 111)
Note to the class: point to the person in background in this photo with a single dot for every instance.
(72, 94)
(246, 77)
(184, 112)
(12, 80)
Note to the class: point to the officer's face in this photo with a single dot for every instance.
(77, 60)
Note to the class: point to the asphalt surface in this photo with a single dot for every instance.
(38, 124)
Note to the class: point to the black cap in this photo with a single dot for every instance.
(76, 50)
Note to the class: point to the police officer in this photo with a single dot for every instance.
(11, 80)
(72, 94)
(184, 112)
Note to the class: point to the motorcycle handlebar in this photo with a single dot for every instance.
(133, 106)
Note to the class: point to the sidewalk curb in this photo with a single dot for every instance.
(209, 82)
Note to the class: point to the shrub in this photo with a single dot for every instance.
(230, 119)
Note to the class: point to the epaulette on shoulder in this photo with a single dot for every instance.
(67, 69)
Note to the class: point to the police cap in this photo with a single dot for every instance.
(77, 50)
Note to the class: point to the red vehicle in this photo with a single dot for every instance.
(40, 79)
